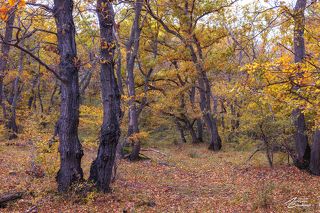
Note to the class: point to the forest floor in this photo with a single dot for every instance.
(186, 179)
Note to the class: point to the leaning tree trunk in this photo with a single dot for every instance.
(70, 147)
(301, 140)
(132, 48)
(5, 48)
(102, 166)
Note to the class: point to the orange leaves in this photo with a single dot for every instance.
(7, 6)
(20, 3)
(11, 3)
(3, 12)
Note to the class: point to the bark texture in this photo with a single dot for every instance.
(102, 167)
(70, 147)
(132, 49)
(301, 140)
(315, 154)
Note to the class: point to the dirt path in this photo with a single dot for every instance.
(188, 179)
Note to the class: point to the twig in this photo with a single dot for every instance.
(251, 156)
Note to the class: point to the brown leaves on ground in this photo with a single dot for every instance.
(188, 179)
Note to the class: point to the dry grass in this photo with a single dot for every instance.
(188, 179)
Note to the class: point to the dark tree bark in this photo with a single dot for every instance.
(5, 48)
(315, 154)
(205, 95)
(199, 130)
(132, 49)
(301, 139)
(102, 167)
(181, 131)
(299, 27)
(192, 132)
(70, 147)
(119, 64)
(211, 121)
(198, 120)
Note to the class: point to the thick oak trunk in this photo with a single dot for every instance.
(70, 147)
(211, 122)
(102, 167)
(301, 140)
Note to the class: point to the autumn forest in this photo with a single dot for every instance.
(159, 106)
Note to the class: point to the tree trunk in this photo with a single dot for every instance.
(193, 134)
(198, 120)
(189, 126)
(235, 117)
(215, 140)
(12, 124)
(119, 59)
(299, 27)
(53, 93)
(181, 131)
(315, 154)
(102, 167)
(132, 49)
(70, 147)
(199, 130)
(301, 139)
(205, 96)
(4, 57)
(39, 95)
(32, 92)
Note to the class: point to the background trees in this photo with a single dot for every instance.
(224, 73)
